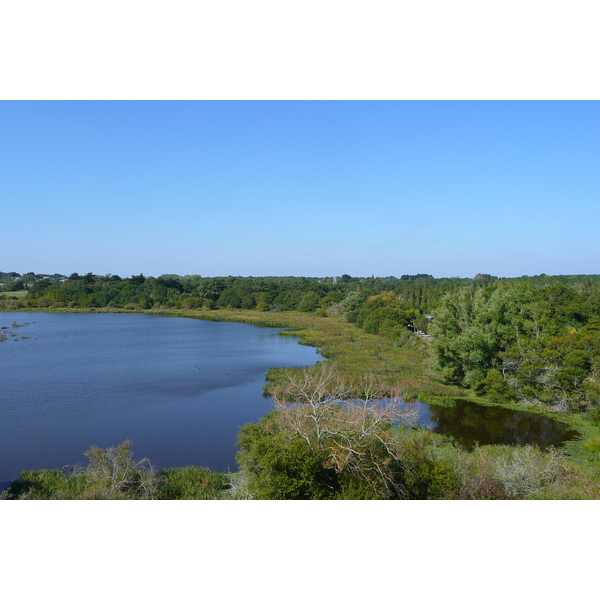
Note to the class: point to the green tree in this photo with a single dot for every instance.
(309, 302)
(280, 467)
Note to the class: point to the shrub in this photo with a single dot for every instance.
(282, 468)
(502, 472)
(113, 474)
(322, 442)
(191, 483)
(51, 484)
(594, 415)
(593, 450)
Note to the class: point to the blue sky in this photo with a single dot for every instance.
(315, 188)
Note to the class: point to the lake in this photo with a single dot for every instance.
(178, 388)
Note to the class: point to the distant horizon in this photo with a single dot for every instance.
(110, 273)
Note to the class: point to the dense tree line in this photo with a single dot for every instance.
(192, 291)
(188, 292)
(527, 342)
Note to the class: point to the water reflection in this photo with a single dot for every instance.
(470, 424)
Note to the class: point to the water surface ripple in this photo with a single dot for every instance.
(179, 388)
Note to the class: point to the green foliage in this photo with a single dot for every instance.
(191, 483)
(14, 286)
(502, 472)
(309, 302)
(431, 480)
(280, 467)
(593, 450)
(46, 485)
(520, 343)
(353, 488)
(383, 314)
(594, 415)
(40, 288)
(352, 302)
(497, 389)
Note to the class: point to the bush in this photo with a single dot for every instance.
(503, 472)
(191, 483)
(593, 450)
(51, 484)
(321, 442)
(113, 474)
(594, 415)
(282, 468)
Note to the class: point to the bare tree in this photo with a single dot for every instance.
(350, 421)
(114, 474)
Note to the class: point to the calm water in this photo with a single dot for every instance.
(469, 423)
(179, 388)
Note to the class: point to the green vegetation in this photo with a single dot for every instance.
(305, 294)
(113, 474)
(530, 343)
(323, 443)
(522, 343)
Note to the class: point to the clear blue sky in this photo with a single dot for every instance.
(300, 188)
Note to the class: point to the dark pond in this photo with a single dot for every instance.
(469, 423)
(179, 388)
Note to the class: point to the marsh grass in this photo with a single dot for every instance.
(192, 483)
(50, 484)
